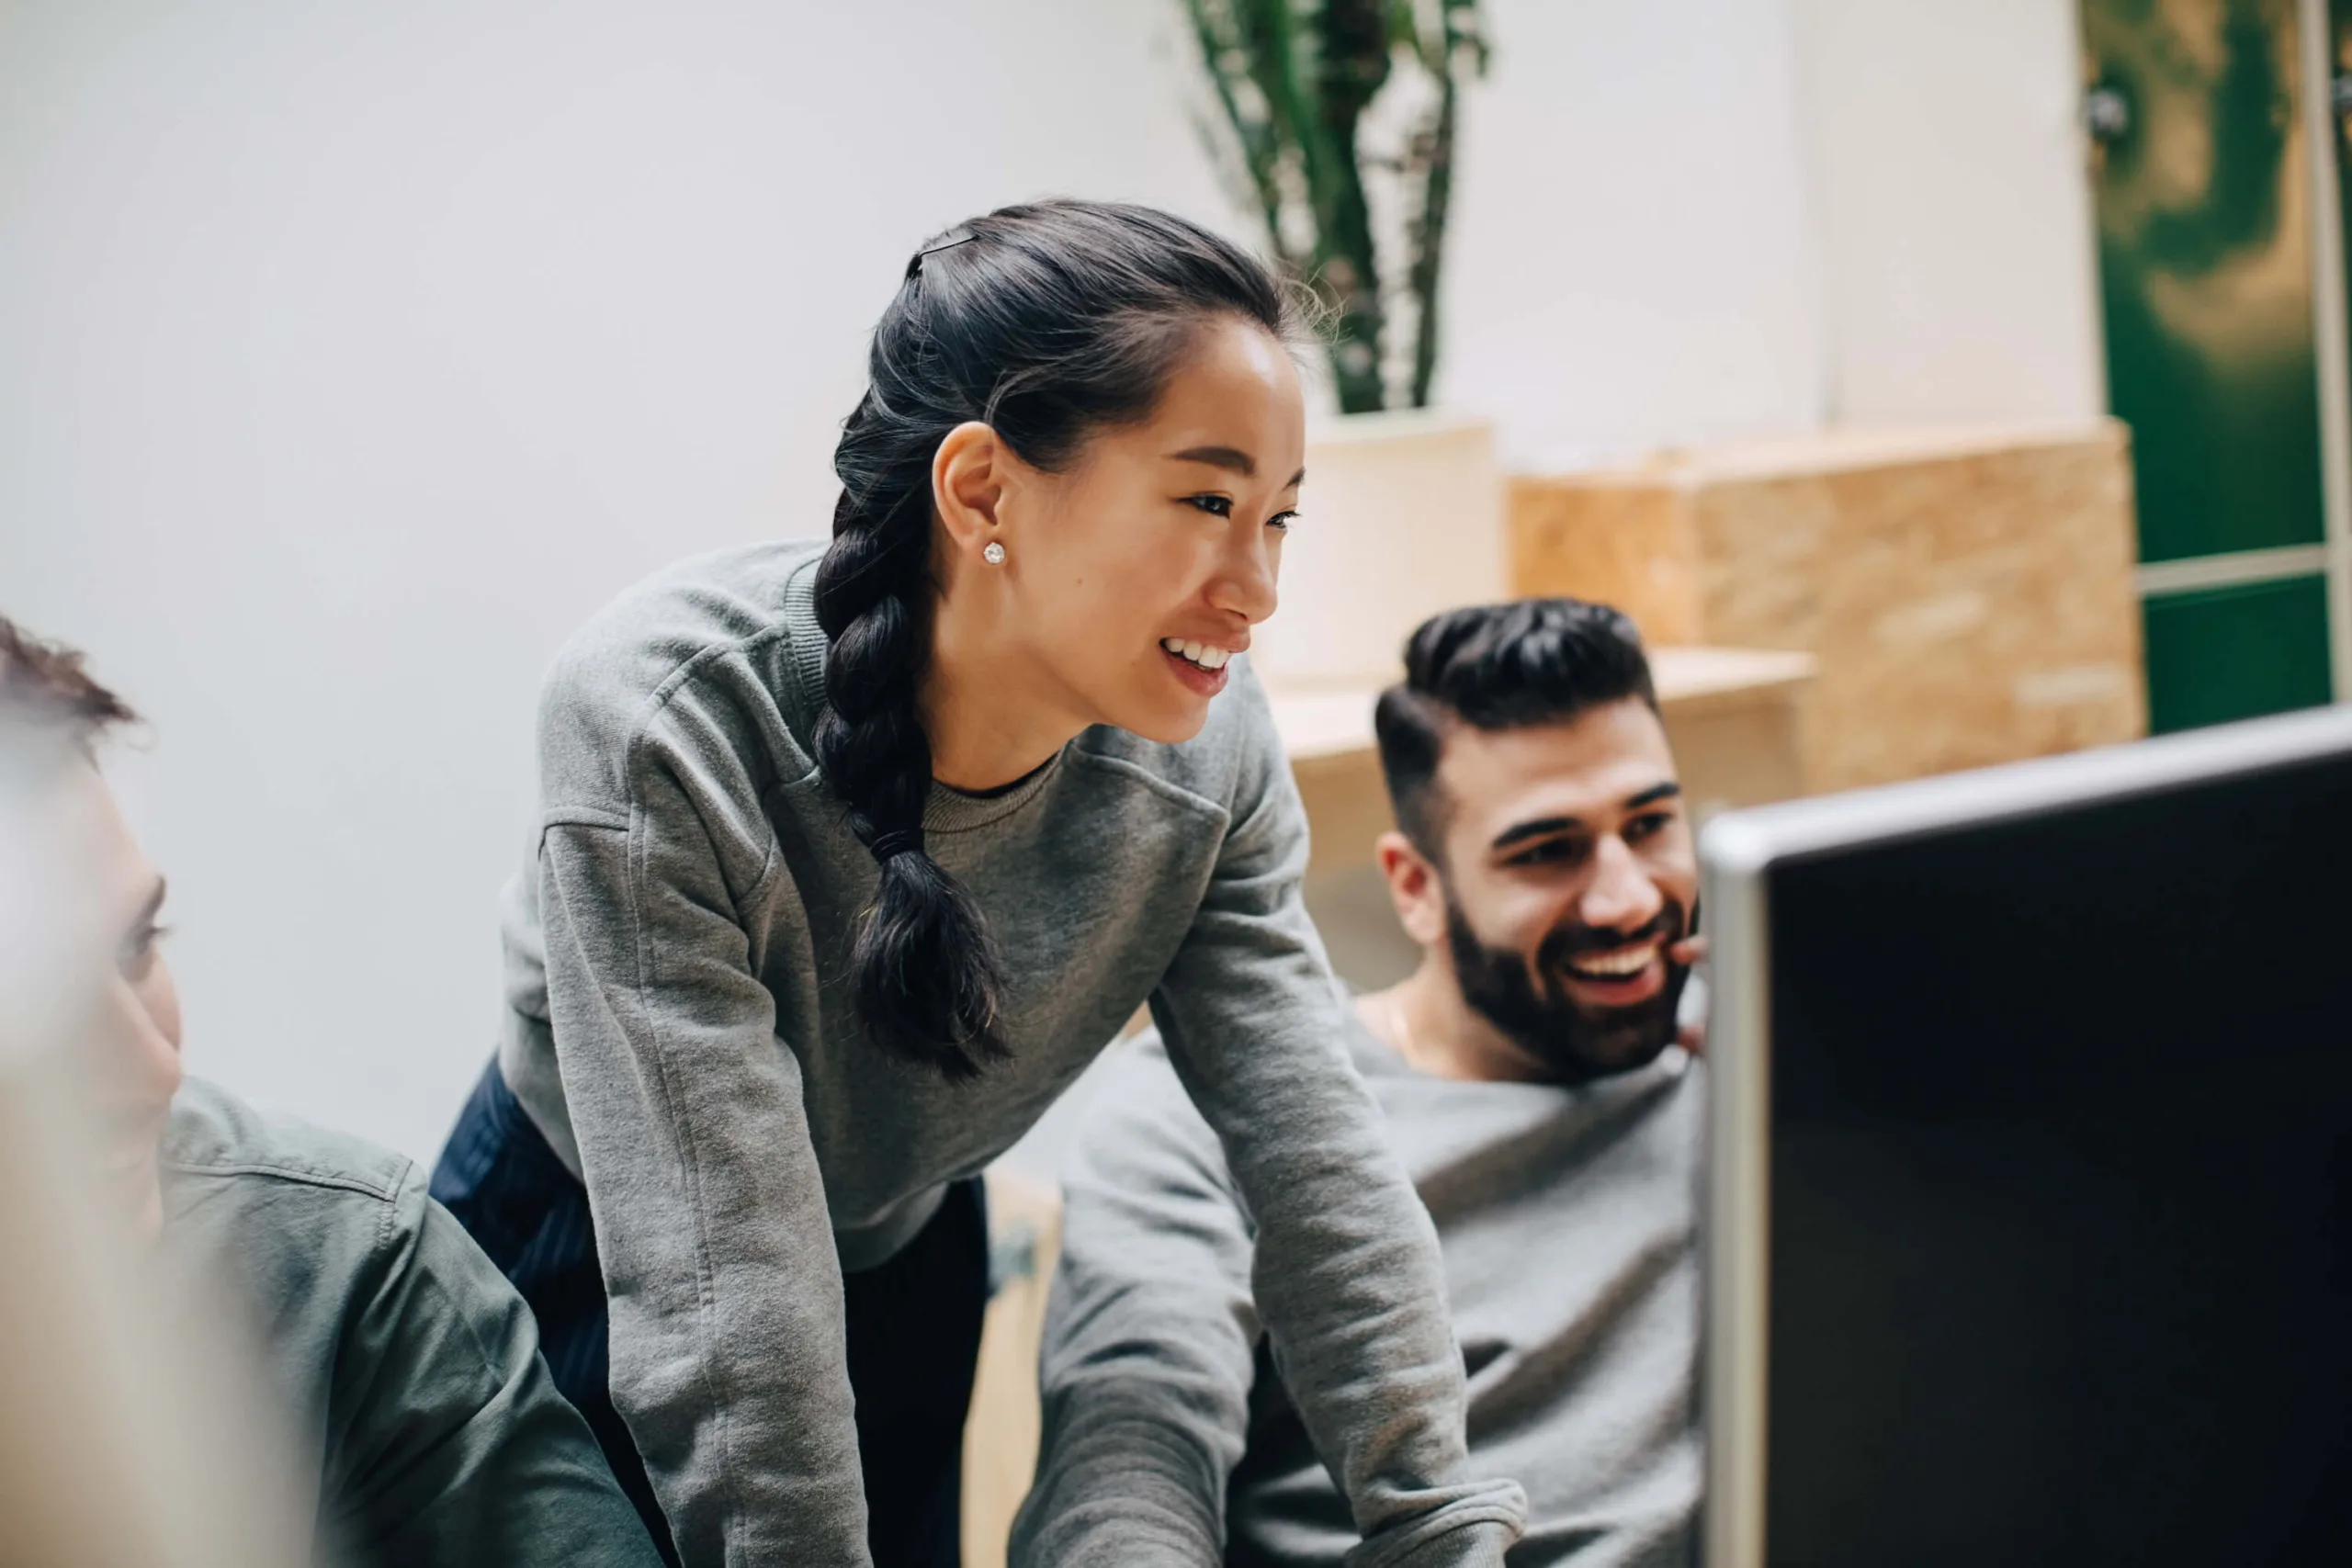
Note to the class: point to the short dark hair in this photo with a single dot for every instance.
(1504, 666)
(42, 683)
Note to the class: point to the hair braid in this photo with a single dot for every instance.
(871, 589)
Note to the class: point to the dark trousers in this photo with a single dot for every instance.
(914, 1325)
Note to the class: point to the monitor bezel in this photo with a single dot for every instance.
(1738, 853)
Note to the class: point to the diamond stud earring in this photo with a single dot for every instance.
(994, 553)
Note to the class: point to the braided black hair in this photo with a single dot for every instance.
(1049, 322)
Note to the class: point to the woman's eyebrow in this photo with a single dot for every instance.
(1230, 458)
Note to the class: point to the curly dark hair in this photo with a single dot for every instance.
(1498, 666)
(43, 684)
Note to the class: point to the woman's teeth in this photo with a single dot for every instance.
(1615, 966)
(1207, 658)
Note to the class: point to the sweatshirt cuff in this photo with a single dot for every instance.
(1473, 1534)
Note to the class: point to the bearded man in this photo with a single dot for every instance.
(1539, 1089)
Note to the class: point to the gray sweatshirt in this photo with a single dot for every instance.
(681, 1031)
(1567, 1218)
(421, 1413)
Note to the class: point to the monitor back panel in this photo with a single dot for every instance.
(2061, 1186)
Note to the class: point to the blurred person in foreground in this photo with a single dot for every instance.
(406, 1365)
(1537, 1084)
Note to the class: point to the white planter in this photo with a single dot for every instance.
(1400, 517)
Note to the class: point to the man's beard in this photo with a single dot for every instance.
(1532, 1007)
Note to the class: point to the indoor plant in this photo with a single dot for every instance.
(1339, 120)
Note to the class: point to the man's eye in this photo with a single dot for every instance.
(138, 954)
(1214, 505)
(1644, 826)
(1549, 852)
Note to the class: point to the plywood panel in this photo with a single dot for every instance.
(1626, 546)
(1968, 594)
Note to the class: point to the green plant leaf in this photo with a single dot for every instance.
(1293, 79)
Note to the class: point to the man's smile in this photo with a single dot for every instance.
(1616, 977)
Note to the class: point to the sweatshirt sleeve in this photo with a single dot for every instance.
(1347, 1277)
(1150, 1342)
(728, 1362)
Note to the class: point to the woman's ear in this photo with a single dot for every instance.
(1413, 887)
(968, 477)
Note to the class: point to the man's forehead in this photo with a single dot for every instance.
(121, 874)
(1589, 764)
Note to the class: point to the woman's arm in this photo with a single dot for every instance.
(728, 1354)
(1347, 1276)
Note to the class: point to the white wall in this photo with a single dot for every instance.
(1630, 266)
(1952, 207)
(350, 356)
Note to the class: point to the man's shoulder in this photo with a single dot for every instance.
(215, 1141)
(1142, 1093)
(1141, 1122)
(334, 1242)
(1140, 1132)
(302, 1224)
(1140, 1084)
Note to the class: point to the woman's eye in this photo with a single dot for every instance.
(1282, 521)
(1214, 505)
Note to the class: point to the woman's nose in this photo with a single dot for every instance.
(1246, 575)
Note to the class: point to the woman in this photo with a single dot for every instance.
(854, 856)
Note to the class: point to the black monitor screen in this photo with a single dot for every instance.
(2061, 1254)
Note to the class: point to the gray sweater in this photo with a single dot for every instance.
(423, 1417)
(680, 1030)
(1567, 1218)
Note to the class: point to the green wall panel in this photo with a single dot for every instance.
(2205, 271)
(2216, 654)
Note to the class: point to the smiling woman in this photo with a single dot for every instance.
(853, 855)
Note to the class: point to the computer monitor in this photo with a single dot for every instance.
(2028, 1229)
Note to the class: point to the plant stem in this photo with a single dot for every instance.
(1261, 147)
(1429, 250)
(1354, 62)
